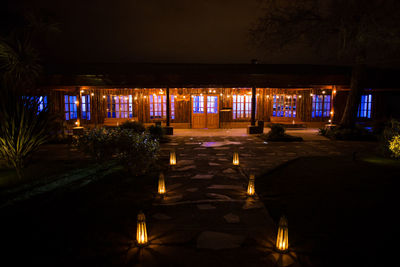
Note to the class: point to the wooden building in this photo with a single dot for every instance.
(212, 96)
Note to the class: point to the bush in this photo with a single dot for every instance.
(277, 130)
(394, 146)
(135, 126)
(392, 129)
(156, 131)
(135, 151)
(277, 134)
(98, 143)
(358, 133)
(22, 129)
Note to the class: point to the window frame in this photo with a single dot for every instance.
(284, 105)
(321, 106)
(70, 113)
(120, 106)
(243, 101)
(158, 109)
(364, 110)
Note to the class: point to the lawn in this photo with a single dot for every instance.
(93, 225)
(341, 212)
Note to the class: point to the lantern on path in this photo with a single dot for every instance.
(141, 233)
(161, 184)
(282, 239)
(236, 158)
(251, 188)
(172, 158)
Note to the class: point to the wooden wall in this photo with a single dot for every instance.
(182, 101)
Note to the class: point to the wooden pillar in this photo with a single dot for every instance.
(78, 105)
(253, 106)
(168, 108)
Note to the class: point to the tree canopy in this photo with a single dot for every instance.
(355, 29)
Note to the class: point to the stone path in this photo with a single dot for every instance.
(206, 216)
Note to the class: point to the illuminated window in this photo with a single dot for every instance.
(241, 106)
(284, 106)
(120, 106)
(321, 106)
(42, 103)
(70, 107)
(212, 104)
(364, 110)
(158, 106)
(198, 104)
(85, 107)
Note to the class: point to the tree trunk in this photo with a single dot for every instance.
(354, 97)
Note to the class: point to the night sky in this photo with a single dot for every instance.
(157, 31)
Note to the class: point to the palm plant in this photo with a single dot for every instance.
(22, 129)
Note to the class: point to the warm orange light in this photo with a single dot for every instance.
(77, 102)
(323, 92)
(251, 187)
(77, 123)
(334, 91)
(92, 94)
(282, 239)
(104, 96)
(161, 184)
(236, 158)
(331, 112)
(311, 94)
(299, 96)
(172, 158)
(141, 232)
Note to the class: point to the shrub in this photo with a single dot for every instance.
(22, 129)
(99, 143)
(394, 146)
(392, 129)
(357, 133)
(277, 130)
(135, 126)
(156, 131)
(277, 134)
(135, 151)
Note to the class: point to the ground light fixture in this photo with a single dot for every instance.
(141, 233)
(282, 239)
(172, 158)
(236, 158)
(161, 185)
(251, 187)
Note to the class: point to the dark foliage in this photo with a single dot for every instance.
(277, 134)
(137, 152)
(135, 126)
(157, 132)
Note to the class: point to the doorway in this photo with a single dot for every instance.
(205, 111)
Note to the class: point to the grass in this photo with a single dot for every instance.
(76, 226)
(341, 212)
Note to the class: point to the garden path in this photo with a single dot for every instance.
(206, 217)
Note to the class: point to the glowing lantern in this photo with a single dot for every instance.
(282, 243)
(236, 158)
(161, 184)
(141, 232)
(172, 158)
(77, 123)
(251, 187)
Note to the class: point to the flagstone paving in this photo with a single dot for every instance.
(210, 211)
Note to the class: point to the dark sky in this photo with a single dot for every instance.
(161, 31)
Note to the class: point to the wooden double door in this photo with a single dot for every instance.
(205, 111)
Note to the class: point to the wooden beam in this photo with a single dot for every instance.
(253, 106)
(168, 108)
